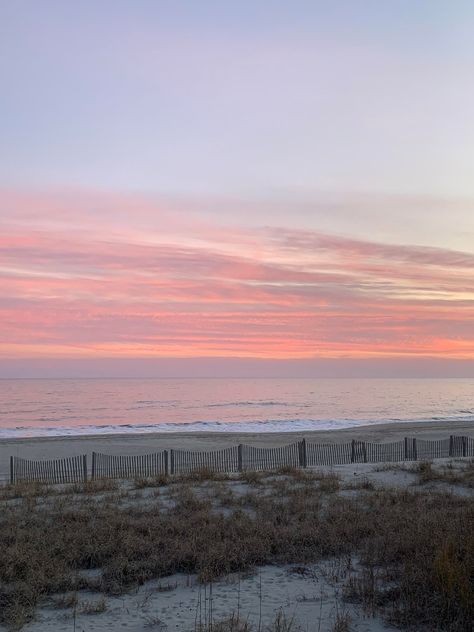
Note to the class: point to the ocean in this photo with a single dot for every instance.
(60, 407)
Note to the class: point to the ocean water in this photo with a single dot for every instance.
(97, 406)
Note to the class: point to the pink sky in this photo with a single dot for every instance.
(88, 276)
(220, 188)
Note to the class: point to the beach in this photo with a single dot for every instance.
(292, 549)
(146, 443)
(193, 550)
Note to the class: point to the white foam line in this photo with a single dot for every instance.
(297, 425)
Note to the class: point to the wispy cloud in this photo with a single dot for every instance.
(106, 276)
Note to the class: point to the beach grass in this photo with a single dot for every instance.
(414, 546)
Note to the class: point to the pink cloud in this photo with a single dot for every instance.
(199, 290)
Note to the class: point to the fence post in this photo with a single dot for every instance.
(464, 446)
(239, 457)
(415, 451)
(451, 445)
(364, 451)
(353, 451)
(303, 453)
(171, 461)
(84, 467)
(93, 467)
(166, 462)
(406, 448)
(12, 477)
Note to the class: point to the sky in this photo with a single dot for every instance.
(217, 188)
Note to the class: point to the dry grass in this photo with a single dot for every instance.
(23, 490)
(41, 490)
(464, 476)
(143, 482)
(416, 548)
(253, 478)
(342, 623)
(456, 472)
(235, 623)
(96, 486)
(93, 607)
(361, 484)
(65, 602)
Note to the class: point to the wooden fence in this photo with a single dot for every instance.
(271, 458)
(236, 459)
(72, 469)
(187, 461)
(138, 466)
(329, 453)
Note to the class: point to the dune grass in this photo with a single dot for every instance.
(415, 547)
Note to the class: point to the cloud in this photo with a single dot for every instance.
(134, 280)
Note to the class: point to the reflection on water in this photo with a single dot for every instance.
(36, 407)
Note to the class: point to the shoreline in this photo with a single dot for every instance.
(145, 443)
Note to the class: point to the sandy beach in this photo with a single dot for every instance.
(309, 592)
(131, 443)
(310, 596)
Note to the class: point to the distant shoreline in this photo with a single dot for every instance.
(145, 443)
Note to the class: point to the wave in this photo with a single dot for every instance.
(156, 403)
(271, 425)
(257, 402)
